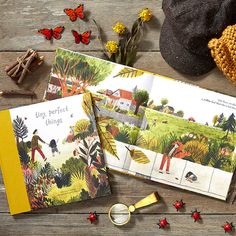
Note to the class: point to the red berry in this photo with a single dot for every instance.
(93, 216)
(228, 227)
(196, 215)
(179, 204)
(163, 223)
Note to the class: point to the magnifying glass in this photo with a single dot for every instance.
(120, 214)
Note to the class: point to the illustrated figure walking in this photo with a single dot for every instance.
(35, 146)
(174, 150)
(53, 146)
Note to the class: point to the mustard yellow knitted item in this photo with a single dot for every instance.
(223, 50)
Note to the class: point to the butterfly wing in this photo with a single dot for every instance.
(48, 33)
(77, 36)
(57, 32)
(79, 11)
(85, 38)
(71, 13)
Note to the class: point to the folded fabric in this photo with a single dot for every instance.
(223, 50)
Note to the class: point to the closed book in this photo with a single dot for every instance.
(50, 154)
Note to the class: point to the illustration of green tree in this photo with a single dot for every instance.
(229, 125)
(164, 101)
(141, 97)
(76, 72)
(215, 120)
(20, 129)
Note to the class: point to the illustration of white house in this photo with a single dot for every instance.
(122, 99)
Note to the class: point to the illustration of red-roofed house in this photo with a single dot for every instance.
(122, 99)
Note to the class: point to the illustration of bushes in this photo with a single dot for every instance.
(166, 141)
(75, 167)
(39, 180)
(82, 129)
(122, 136)
(81, 126)
(217, 158)
(133, 136)
(148, 140)
(63, 180)
(198, 150)
(97, 185)
(24, 157)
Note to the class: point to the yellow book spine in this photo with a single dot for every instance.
(11, 167)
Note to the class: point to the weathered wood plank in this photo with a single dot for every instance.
(129, 190)
(20, 21)
(74, 224)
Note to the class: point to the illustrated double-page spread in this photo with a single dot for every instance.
(51, 154)
(154, 127)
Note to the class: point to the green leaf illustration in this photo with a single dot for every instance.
(129, 73)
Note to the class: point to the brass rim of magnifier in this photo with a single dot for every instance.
(112, 221)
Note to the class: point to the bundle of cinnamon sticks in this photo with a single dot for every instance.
(24, 64)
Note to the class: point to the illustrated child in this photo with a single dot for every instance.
(53, 146)
(174, 150)
(35, 146)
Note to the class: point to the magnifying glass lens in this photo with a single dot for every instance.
(119, 214)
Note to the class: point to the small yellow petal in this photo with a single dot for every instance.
(145, 15)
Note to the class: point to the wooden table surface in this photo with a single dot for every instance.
(19, 22)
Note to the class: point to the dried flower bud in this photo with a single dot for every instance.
(119, 28)
(145, 15)
(112, 47)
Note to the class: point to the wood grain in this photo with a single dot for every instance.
(19, 22)
(150, 61)
(141, 224)
(33, 15)
(129, 190)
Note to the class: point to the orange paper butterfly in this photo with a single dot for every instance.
(52, 33)
(83, 38)
(75, 13)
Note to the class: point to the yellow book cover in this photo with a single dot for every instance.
(50, 154)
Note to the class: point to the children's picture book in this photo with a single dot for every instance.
(50, 154)
(152, 126)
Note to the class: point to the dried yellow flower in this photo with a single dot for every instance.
(112, 47)
(145, 15)
(119, 28)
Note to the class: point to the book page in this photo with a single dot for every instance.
(193, 131)
(154, 127)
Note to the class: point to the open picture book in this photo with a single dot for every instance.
(50, 154)
(152, 126)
